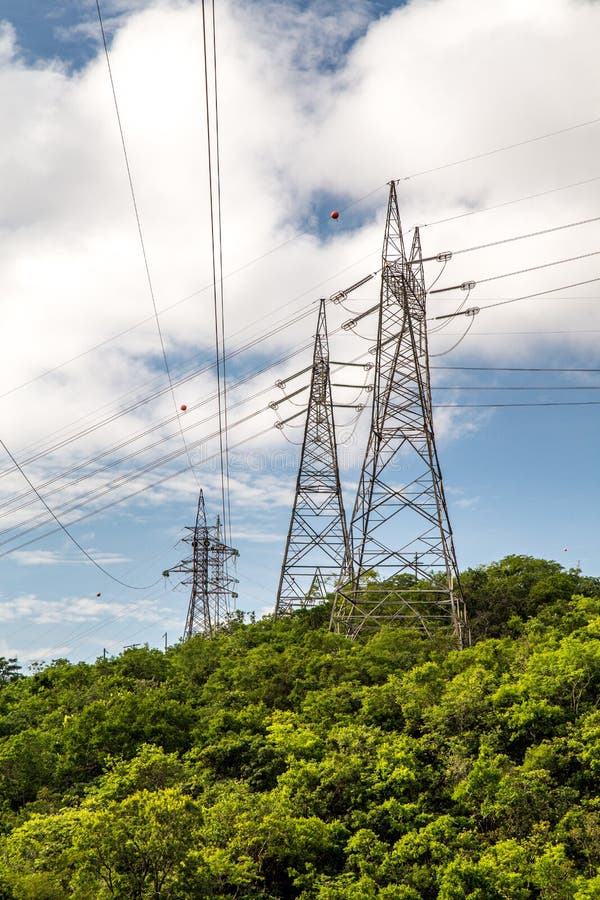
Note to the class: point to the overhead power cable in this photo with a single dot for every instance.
(503, 149)
(227, 521)
(10, 508)
(168, 476)
(163, 459)
(66, 531)
(138, 222)
(78, 502)
(540, 403)
(217, 265)
(563, 287)
(482, 209)
(513, 369)
(159, 481)
(515, 387)
(289, 322)
(116, 483)
(522, 237)
(537, 332)
(286, 323)
(259, 258)
(473, 284)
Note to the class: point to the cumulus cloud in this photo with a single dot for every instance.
(75, 610)
(321, 104)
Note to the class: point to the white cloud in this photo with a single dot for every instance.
(302, 122)
(76, 609)
(53, 558)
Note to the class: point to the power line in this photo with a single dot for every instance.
(169, 476)
(66, 530)
(226, 521)
(285, 323)
(513, 369)
(474, 212)
(538, 403)
(563, 287)
(121, 480)
(521, 237)
(514, 387)
(459, 162)
(145, 449)
(10, 508)
(138, 221)
(245, 265)
(473, 284)
(262, 256)
(305, 311)
(217, 263)
(466, 159)
(538, 333)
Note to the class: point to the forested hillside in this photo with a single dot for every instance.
(282, 761)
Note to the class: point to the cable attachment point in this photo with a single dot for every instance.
(465, 286)
(471, 311)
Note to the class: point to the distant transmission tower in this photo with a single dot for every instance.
(212, 588)
(400, 529)
(317, 541)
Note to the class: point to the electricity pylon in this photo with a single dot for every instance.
(400, 531)
(317, 541)
(212, 594)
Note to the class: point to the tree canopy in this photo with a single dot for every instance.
(278, 760)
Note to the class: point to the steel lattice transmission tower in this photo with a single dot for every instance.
(212, 587)
(317, 541)
(400, 529)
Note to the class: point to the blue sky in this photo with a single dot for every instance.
(321, 105)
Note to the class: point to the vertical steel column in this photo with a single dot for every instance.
(317, 540)
(212, 594)
(401, 565)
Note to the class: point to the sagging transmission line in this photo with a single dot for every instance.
(211, 96)
(139, 229)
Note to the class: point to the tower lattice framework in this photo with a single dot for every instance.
(317, 540)
(400, 530)
(207, 571)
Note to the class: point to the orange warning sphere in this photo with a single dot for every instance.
(335, 214)
(183, 407)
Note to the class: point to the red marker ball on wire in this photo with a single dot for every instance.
(335, 214)
(183, 407)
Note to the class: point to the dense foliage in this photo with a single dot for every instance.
(282, 761)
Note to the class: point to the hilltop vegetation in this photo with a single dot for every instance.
(282, 761)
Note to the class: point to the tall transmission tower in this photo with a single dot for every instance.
(212, 587)
(400, 529)
(317, 541)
